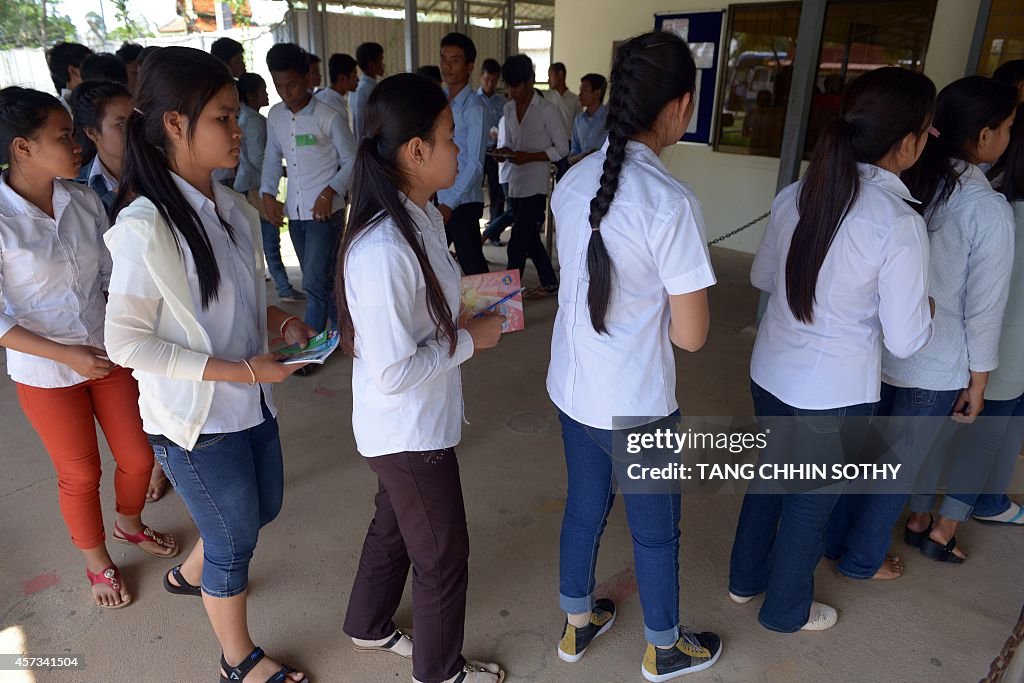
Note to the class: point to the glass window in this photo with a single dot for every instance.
(1004, 37)
(857, 37)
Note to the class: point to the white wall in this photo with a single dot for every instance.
(733, 188)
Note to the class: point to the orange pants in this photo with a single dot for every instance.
(65, 419)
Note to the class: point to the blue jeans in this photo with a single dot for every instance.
(860, 530)
(653, 519)
(316, 245)
(233, 485)
(981, 461)
(272, 252)
(780, 536)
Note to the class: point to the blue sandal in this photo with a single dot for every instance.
(238, 673)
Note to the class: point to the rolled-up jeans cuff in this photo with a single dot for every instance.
(576, 605)
(661, 638)
(954, 509)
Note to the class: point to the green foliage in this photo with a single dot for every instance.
(22, 25)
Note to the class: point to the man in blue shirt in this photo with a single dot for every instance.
(590, 130)
(462, 204)
(495, 106)
(370, 57)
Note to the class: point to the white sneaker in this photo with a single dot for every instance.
(739, 599)
(399, 643)
(476, 672)
(821, 618)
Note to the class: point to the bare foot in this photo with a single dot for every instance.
(157, 484)
(919, 521)
(266, 669)
(892, 568)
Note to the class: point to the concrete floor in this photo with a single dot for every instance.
(938, 623)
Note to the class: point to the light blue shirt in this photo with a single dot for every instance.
(589, 132)
(495, 107)
(357, 104)
(971, 236)
(471, 138)
(320, 151)
(254, 143)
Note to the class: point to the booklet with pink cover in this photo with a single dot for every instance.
(481, 292)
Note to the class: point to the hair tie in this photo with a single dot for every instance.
(139, 111)
(933, 131)
(597, 229)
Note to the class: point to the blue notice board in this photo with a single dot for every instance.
(703, 31)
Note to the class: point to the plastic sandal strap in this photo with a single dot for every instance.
(238, 673)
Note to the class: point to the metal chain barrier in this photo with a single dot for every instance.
(1000, 664)
(740, 229)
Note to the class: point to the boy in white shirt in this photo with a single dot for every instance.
(341, 69)
(318, 147)
(535, 136)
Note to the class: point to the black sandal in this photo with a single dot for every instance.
(915, 538)
(941, 553)
(238, 673)
(183, 587)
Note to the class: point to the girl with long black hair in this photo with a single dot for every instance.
(398, 301)
(54, 271)
(635, 273)
(188, 314)
(845, 259)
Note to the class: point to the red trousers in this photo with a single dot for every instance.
(65, 419)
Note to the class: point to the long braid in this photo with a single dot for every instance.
(621, 125)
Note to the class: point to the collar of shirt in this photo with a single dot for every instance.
(644, 154)
(887, 180)
(13, 204)
(214, 208)
(333, 98)
(424, 219)
(459, 101)
(98, 169)
(601, 110)
(367, 78)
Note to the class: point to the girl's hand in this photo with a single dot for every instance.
(298, 332)
(485, 331)
(267, 368)
(87, 361)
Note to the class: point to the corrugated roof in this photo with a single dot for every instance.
(536, 11)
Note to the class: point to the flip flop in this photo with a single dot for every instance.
(941, 553)
(1016, 520)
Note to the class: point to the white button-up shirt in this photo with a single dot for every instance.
(155, 326)
(338, 102)
(471, 139)
(568, 104)
(541, 130)
(971, 238)
(406, 388)
(872, 288)
(319, 150)
(654, 233)
(358, 102)
(53, 272)
(231, 321)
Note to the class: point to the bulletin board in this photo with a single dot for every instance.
(703, 31)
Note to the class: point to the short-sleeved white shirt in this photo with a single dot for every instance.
(654, 233)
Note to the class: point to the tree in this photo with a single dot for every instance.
(27, 23)
(128, 29)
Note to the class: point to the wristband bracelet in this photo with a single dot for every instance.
(285, 323)
(251, 373)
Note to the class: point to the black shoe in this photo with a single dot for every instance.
(309, 369)
(692, 652)
(575, 640)
(915, 538)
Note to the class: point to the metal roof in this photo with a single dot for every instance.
(540, 11)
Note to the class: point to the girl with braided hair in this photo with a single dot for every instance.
(635, 273)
